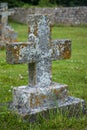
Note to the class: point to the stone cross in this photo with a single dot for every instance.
(41, 94)
(4, 13)
(7, 34)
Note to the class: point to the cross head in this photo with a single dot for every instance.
(39, 51)
(4, 13)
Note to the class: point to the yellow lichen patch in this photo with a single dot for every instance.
(23, 45)
(34, 101)
(16, 49)
(66, 52)
(43, 96)
(15, 53)
(37, 100)
(36, 30)
(56, 92)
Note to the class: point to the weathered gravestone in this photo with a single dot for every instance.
(41, 94)
(6, 32)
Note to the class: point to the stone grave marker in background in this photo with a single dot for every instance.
(42, 93)
(6, 32)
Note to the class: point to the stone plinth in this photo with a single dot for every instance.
(31, 101)
(34, 97)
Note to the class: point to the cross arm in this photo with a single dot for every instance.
(21, 52)
(61, 49)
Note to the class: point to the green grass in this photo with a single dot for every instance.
(72, 72)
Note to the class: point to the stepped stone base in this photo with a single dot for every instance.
(28, 102)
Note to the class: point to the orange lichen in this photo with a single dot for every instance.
(37, 100)
(15, 53)
(36, 30)
(67, 52)
(43, 96)
(34, 101)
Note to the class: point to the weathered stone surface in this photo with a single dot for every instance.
(41, 94)
(71, 106)
(61, 49)
(28, 52)
(27, 97)
(7, 34)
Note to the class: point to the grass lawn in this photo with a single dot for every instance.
(72, 72)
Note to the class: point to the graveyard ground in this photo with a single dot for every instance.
(72, 72)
